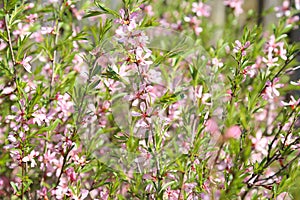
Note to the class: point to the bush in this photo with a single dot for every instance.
(147, 100)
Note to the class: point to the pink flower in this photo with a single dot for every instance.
(292, 103)
(271, 89)
(270, 60)
(194, 22)
(71, 174)
(172, 194)
(236, 5)
(217, 62)
(201, 9)
(65, 106)
(283, 10)
(26, 64)
(30, 158)
(283, 196)
(145, 115)
(239, 48)
(211, 126)
(281, 51)
(204, 97)
(260, 143)
(22, 30)
(46, 30)
(31, 18)
(293, 20)
(297, 4)
(250, 71)
(40, 116)
(148, 9)
(2, 44)
(140, 59)
(233, 132)
(140, 94)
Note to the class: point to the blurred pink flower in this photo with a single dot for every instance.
(172, 194)
(204, 97)
(239, 48)
(141, 59)
(26, 64)
(145, 115)
(260, 143)
(194, 22)
(30, 158)
(31, 18)
(23, 30)
(201, 9)
(292, 103)
(211, 126)
(271, 89)
(71, 174)
(283, 196)
(283, 10)
(270, 61)
(233, 132)
(236, 5)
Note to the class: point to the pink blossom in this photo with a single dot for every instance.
(32, 17)
(22, 30)
(297, 4)
(194, 22)
(71, 174)
(217, 62)
(260, 143)
(148, 9)
(65, 106)
(239, 48)
(273, 48)
(151, 75)
(30, 158)
(46, 30)
(236, 5)
(211, 126)
(293, 20)
(2, 44)
(292, 103)
(62, 190)
(271, 89)
(26, 64)
(140, 94)
(141, 59)
(204, 97)
(284, 196)
(172, 194)
(233, 132)
(29, 6)
(201, 9)
(8, 90)
(127, 20)
(145, 115)
(251, 71)
(270, 60)
(39, 116)
(280, 50)
(283, 10)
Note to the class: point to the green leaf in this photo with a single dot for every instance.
(166, 185)
(14, 186)
(106, 9)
